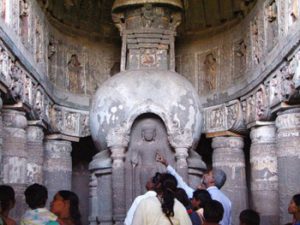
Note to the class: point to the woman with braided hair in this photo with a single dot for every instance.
(164, 209)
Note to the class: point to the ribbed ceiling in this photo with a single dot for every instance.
(94, 16)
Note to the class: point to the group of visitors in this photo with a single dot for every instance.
(170, 201)
(64, 208)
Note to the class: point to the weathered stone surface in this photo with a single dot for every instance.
(15, 156)
(287, 141)
(35, 159)
(264, 173)
(228, 155)
(57, 166)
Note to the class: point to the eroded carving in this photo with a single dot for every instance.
(271, 12)
(240, 57)
(74, 75)
(210, 68)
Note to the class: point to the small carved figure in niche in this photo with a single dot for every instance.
(38, 41)
(28, 90)
(70, 123)
(16, 88)
(52, 47)
(147, 16)
(260, 104)
(272, 12)
(4, 62)
(287, 85)
(255, 38)
(210, 68)
(148, 57)
(143, 153)
(39, 102)
(74, 73)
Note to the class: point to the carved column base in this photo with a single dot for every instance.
(228, 155)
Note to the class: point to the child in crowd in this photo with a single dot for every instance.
(36, 196)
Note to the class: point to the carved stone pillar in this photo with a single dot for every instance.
(264, 179)
(228, 155)
(57, 166)
(1, 142)
(181, 142)
(15, 156)
(35, 148)
(117, 142)
(288, 157)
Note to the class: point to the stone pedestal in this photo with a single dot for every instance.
(288, 157)
(57, 166)
(35, 148)
(15, 156)
(228, 155)
(264, 179)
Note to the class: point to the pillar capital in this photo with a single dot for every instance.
(117, 138)
(14, 118)
(289, 119)
(263, 134)
(227, 142)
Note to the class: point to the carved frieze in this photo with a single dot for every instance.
(18, 79)
(69, 121)
(224, 117)
(256, 106)
(5, 65)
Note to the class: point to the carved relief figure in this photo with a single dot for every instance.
(147, 16)
(272, 25)
(210, 68)
(287, 84)
(16, 87)
(256, 41)
(38, 41)
(28, 90)
(261, 104)
(274, 91)
(148, 138)
(148, 57)
(74, 74)
(24, 14)
(5, 65)
(39, 102)
(70, 121)
(240, 51)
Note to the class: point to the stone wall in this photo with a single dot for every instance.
(228, 64)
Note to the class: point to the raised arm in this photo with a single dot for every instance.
(181, 183)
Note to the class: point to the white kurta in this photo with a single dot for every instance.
(149, 212)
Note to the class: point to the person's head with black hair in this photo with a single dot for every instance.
(166, 189)
(200, 198)
(7, 198)
(36, 196)
(182, 197)
(153, 182)
(7, 202)
(249, 217)
(213, 212)
(294, 207)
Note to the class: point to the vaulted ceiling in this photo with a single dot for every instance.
(94, 16)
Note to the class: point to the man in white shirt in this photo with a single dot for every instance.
(150, 186)
(213, 180)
